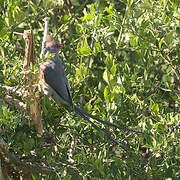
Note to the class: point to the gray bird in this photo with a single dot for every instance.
(54, 83)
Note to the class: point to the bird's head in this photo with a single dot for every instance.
(52, 45)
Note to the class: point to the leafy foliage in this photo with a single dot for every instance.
(133, 81)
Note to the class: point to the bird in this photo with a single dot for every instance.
(53, 83)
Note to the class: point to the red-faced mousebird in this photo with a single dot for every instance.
(53, 82)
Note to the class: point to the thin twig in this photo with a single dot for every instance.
(18, 33)
(46, 22)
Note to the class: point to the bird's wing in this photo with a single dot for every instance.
(55, 77)
(59, 63)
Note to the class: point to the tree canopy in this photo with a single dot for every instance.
(133, 81)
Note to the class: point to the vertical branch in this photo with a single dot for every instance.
(46, 22)
(32, 55)
(1, 175)
(34, 107)
(3, 166)
(5, 171)
(28, 39)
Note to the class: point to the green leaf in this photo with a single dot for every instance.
(109, 61)
(105, 76)
(154, 142)
(90, 141)
(48, 4)
(97, 46)
(113, 69)
(28, 145)
(106, 94)
(2, 24)
(84, 50)
(90, 63)
(5, 112)
(65, 18)
(154, 107)
(1, 3)
(132, 41)
(89, 17)
(161, 42)
(168, 38)
(33, 7)
(129, 2)
(178, 30)
(75, 2)
(109, 10)
(176, 3)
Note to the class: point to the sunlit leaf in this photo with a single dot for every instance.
(161, 42)
(106, 94)
(113, 69)
(105, 76)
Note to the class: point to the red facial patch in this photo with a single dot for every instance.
(58, 46)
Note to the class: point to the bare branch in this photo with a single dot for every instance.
(15, 91)
(1, 175)
(15, 102)
(46, 20)
(18, 33)
(25, 167)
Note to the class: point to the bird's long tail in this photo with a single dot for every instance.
(86, 116)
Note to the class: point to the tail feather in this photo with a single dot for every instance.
(98, 119)
(83, 115)
(106, 122)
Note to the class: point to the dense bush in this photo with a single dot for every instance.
(133, 81)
